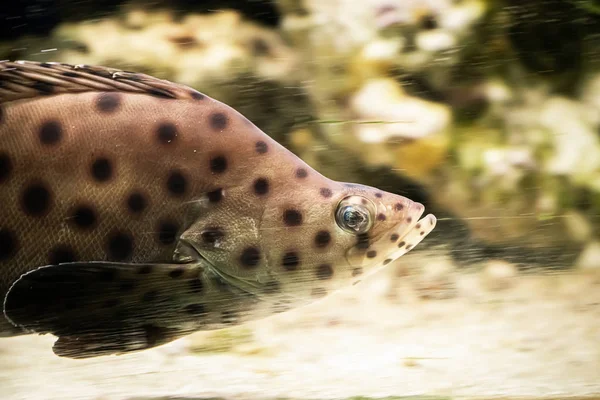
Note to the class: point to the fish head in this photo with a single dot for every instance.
(379, 227)
(341, 231)
(294, 229)
(284, 225)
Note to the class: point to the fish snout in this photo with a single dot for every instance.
(399, 237)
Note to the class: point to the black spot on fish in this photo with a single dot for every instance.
(387, 261)
(196, 285)
(357, 271)
(176, 273)
(362, 241)
(8, 244)
(261, 186)
(197, 95)
(381, 217)
(197, 310)
(166, 132)
(409, 246)
(211, 235)
(218, 121)
(36, 200)
(261, 147)
(290, 261)
(5, 167)
(70, 74)
(250, 257)
(394, 237)
(398, 207)
(136, 202)
(61, 254)
(301, 173)
(44, 88)
(119, 246)
(176, 183)
(215, 196)
(322, 239)
(108, 102)
(102, 169)
(326, 192)
(292, 217)
(324, 271)
(409, 219)
(371, 254)
(401, 244)
(318, 292)
(167, 232)
(378, 195)
(84, 217)
(218, 164)
(50, 133)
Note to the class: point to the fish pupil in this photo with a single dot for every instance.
(354, 219)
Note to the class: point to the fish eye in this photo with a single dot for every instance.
(353, 216)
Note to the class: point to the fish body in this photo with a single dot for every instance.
(135, 211)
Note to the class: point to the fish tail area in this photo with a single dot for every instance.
(108, 308)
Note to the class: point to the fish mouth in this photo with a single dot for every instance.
(396, 241)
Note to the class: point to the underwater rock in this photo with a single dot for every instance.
(576, 144)
(414, 131)
(395, 115)
(547, 34)
(194, 49)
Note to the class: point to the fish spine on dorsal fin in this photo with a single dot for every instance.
(29, 79)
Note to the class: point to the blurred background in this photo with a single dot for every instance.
(486, 111)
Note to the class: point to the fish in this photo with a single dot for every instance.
(136, 210)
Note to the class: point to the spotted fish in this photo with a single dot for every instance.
(135, 211)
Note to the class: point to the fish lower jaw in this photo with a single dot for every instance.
(415, 235)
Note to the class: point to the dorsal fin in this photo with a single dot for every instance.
(28, 79)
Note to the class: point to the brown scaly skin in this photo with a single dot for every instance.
(156, 211)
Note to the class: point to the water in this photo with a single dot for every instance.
(486, 112)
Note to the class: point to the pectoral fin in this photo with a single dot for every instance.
(100, 308)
